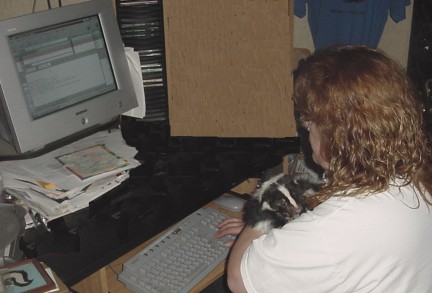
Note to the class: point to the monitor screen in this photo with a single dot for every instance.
(62, 65)
(63, 72)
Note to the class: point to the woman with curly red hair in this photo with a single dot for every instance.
(372, 229)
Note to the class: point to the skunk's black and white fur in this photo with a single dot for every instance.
(278, 201)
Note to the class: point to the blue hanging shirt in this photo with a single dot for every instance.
(344, 22)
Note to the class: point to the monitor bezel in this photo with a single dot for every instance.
(31, 135)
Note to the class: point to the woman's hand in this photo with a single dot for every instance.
(229, 226)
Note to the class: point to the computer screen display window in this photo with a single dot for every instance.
(62, 65)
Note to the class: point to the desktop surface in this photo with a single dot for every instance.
(80, 244)
(178, 175)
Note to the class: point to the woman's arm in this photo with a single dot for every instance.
(245, 238)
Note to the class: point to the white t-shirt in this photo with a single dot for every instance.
(378, 243)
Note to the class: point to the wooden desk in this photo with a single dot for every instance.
(106, 279)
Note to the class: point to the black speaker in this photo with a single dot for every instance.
(420, 50)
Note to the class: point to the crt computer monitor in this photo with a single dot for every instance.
(63, 74)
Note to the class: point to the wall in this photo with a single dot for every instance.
(394, 41)
(13, 8)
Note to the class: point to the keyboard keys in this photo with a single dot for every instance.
(180, 258)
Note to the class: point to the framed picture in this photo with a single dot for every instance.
(27, 276)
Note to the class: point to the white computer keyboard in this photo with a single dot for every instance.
(180, 258)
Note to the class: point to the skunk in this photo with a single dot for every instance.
(278, 201)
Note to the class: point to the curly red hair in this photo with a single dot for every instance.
(369, 120)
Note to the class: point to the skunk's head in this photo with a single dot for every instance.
(279, 200)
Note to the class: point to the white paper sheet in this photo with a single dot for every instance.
(136, 74)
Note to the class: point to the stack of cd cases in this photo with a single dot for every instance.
(141, 27)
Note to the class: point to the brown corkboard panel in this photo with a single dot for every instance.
(229, 67)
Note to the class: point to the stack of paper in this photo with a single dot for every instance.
(67, 179)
